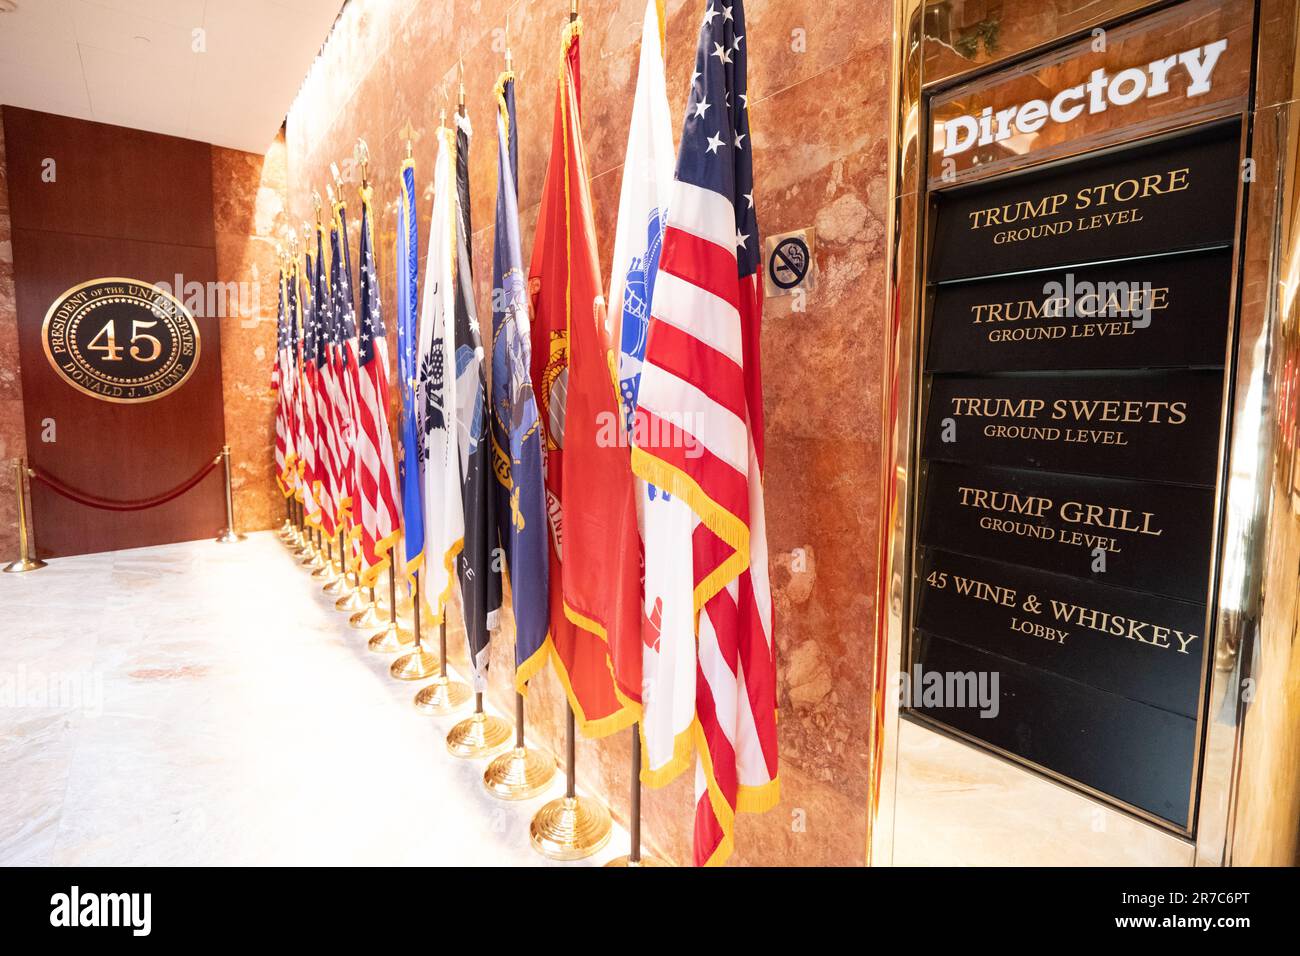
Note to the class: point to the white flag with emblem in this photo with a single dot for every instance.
(435, 395)
(668, 656)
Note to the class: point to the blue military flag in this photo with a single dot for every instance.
(516, 437)
(408, 314)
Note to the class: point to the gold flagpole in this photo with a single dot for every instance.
(571, 827)
(481, 734)
(521, 772)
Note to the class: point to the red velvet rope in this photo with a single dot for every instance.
(104, 504)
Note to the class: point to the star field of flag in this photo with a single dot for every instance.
(715, 147)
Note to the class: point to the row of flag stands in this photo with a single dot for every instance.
(613, 471)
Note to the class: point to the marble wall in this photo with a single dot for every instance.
(249, 217)
(249, 195)
(819, 89)
(13, 439)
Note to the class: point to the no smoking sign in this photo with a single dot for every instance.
(790, 262)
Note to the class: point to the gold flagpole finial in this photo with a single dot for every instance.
(338, 183)
(460, 94)
(329, 194)
(315, 198)
(507, 38)
(363, 159)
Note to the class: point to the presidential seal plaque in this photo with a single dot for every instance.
(121, 340)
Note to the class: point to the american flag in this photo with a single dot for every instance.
(297, 315)
(343, 363)
(282, 380)
(327, 445)
(309, 448)
(376, 472)
(701, 409)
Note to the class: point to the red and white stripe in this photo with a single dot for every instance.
(376, 470)
(701, 399)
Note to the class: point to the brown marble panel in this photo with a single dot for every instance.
(249, 218)
(13, 441)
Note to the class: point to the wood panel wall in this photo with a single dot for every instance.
(122, 203)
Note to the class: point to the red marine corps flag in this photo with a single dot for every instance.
(595, 593)
(699, 433)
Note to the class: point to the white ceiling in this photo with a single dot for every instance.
(134, 63)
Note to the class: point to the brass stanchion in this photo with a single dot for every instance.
(228, 535)
(26, 560)
(570, 827)
(522, 772)
(393, 638)
(634, 857)
(443, 696)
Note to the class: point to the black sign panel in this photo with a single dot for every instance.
(1151, 537)
(1149, 313)
(1078, 320)
(1124, 642)
(1175, 194)
(1137, 753)
(1162, 426)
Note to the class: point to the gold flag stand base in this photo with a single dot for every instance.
(520, 773)
(315, 562)
(24, 564)
(352, 601)
(287, 531)
(338, 588)
(368, 618)
(479, 735)
(443, 696)
(327, 574)
(391, 639)
(229, 537)
(570, 828)
(416, 665)
(651, 861)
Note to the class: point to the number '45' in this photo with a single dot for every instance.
(113, 352)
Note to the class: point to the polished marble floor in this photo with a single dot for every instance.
(204, 704)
